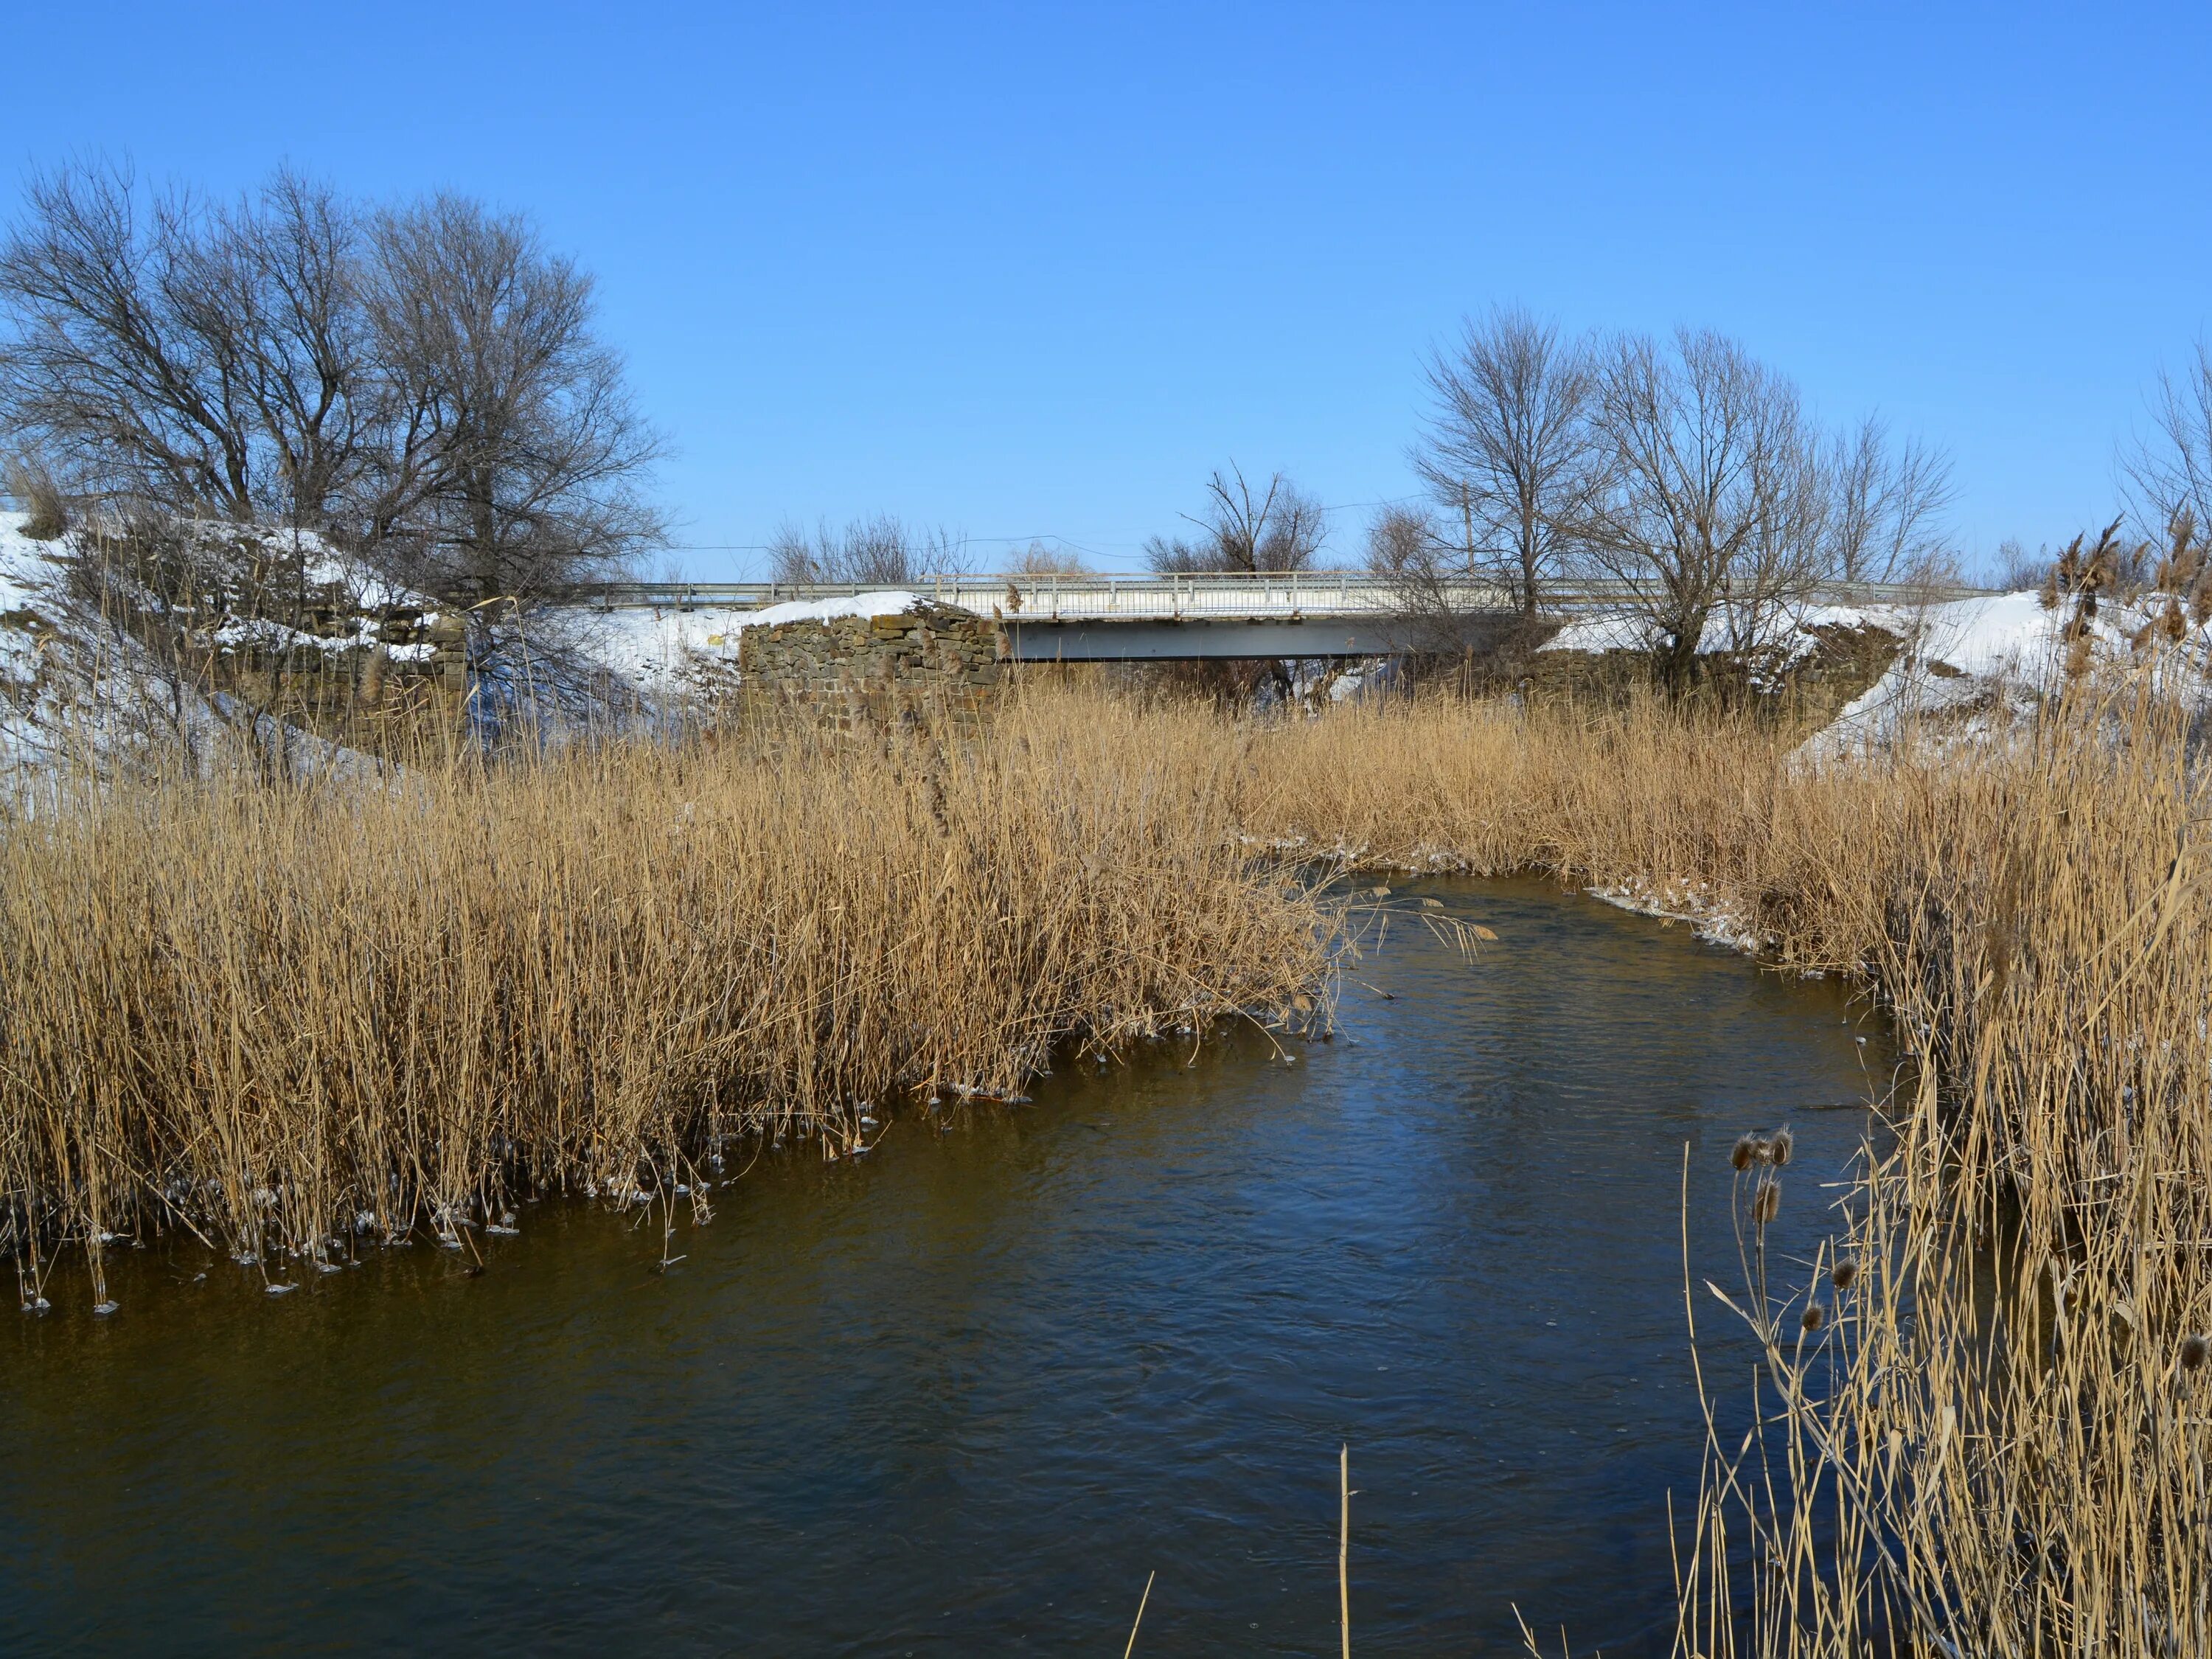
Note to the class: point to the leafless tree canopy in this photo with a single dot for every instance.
(424, 385)
(1887, 502)
(1403, 541)
(882, 551)
(1038, 559)
(1426, 568)
(513, 455)
(1714, 502)
(2169, 473)
(207, 358)
(1509, 452)
(1277, 528)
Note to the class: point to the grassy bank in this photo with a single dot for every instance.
(286, 1019)
(283, 1018)
(1990, 1399)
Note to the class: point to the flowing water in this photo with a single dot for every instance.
(964, 1395)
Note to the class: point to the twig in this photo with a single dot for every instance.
(1147, 1596)
(1343, 1545)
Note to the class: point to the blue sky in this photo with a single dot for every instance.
(1034, 271)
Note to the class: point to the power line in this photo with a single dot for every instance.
(1010, 541)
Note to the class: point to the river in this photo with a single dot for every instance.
(963, 1395)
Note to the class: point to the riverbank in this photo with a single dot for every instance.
(298, 1020)
(964, 1395)
(301, 1020)
(1990, 1426)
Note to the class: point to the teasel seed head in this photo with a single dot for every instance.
(1779, 1148)
(2195, 1350)
(1844, 1273)
(1814, 1316)
(1746, 1150)
(1766, 1203)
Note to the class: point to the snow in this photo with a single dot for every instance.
(1972, 667)
(655, 648)
(891, 602)
(1968, 665)
(1793, 629)
(72, 683)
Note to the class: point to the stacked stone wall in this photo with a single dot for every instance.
(933, 663)
(344, 663)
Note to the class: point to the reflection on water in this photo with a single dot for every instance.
(961, 1396)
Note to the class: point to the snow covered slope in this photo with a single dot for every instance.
(1971, 666)
(1961, 665)
(77, 685)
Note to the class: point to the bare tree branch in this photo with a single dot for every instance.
(1714, 503)
(1282, 528)
(2169, 473)
(1509, 453)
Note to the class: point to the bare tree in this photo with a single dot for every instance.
(291, 265)
(425, 386)
(1887, 504)
(1282, 528)
(1403, 541)
(203, 360)
(2017, 570)
(882, 551)
(1509, 452)
(512, 458)
(2170, 471)
(1425, 569)
(1039, 559)
(1713, 503)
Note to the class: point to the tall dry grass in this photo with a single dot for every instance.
(1980, 1422)
(277, 1015)
(284, 1018)
(1995, 1438)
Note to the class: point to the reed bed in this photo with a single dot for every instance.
(293, 1018)
(1979, 1422)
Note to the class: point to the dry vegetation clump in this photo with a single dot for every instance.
(2000, 1444)
(1987, 1406)
(287, 1017)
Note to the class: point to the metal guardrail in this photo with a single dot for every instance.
(1138, 598)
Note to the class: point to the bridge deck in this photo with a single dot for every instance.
(1305, 596)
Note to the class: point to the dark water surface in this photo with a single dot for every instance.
(962, 1395)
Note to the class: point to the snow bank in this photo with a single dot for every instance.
(74, 685)
(1972, 666)
(1794, 631)
(655, 649)
(1968, 664)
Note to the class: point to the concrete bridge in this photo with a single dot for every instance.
(1111, 617)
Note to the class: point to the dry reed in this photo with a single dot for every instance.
(275, 1015)
(290, 1017)
(1980, 1422)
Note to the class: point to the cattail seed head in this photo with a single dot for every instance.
(1844, 1273)
(1781, 1146)
(2195, 1350)
(1746, 1150)
(1766, 1203)
(1814, 1316)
